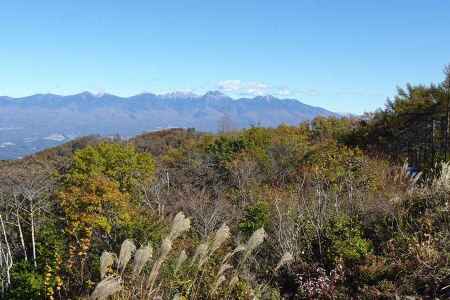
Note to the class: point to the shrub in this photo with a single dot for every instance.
(26, 283)
(256, 216)
(345, 241)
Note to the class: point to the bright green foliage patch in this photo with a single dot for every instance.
(346, 241)
(256, 216)
(117, 162)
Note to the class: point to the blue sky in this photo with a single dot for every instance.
(347, 56)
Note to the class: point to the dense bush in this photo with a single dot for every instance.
(345, 241)
(255, 216)
(26, 283)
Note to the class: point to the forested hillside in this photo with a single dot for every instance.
(336, 208)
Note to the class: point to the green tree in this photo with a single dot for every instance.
(120, 163)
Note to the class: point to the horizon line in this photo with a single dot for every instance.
(167, 94)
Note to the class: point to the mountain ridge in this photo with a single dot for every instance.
(32, 123)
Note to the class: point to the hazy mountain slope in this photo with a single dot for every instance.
(33, 123)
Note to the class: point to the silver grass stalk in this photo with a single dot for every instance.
(141, 257)
(180, 224)
(106, 261)
(166, 246)
(203, 253)
(233, 281)
(255, 240)
(181, 259)
(218, 283)
(236, 250)
(443, 180)
(285, 259)
(223, 268)
(200, 252)
(107, 287)
(222, 234)
(126, 251)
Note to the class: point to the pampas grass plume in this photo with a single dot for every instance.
(180, 224)
(223, 269)
(166, 246)
(285, 259)
(107, 287)
(126, 251)
(200, 253)
(142, 256)
(181, 259)
(236, 250)
(218, 283)
(222, 234)
(255, 240)
(106, 262)
(233, 281)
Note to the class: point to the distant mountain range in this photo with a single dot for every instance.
(30, 124)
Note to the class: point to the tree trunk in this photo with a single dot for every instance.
(33, 240)
(22, 241)
(7, 255)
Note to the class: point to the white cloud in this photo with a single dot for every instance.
(254, 88)
(55, 137)
(244, 88)
(284, 93)
(6, 144)
(229, 85)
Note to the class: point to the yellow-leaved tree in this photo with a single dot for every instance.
(98, 196)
